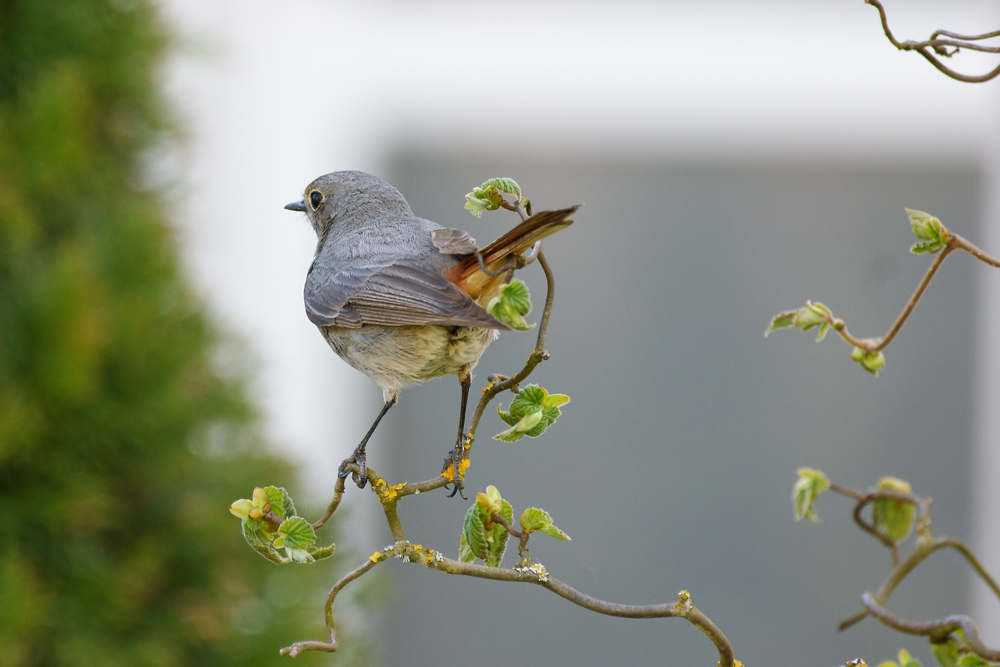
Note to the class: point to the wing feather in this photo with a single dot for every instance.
(398, 294)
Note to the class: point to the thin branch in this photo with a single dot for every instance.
(871, 530)
(919, 554)
(900, 572)
(967, 38)
(964, 244)
(947, 71)
(938, 629)
(911, 304)
(522, 546)
(510, 263)
(538, 355)
(878, 344)
(939, 47)
(338, 493)
(960, 547)
(865, 498)
(329, 647)
(535, 574)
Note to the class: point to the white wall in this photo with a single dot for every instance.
(274, 94)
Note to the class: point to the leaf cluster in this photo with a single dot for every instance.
(289, 532)
(489, 195)
(531, 413)
(486, 539)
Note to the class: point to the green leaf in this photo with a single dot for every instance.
(872, 362)
(511, 305)
(555, 400)
(532, 411)
(946, 653)
(530, 399)
(281, 502)
(782, 321)
(509, 435)
(488, 196)
(498, 536)
(553, 531)
(812, 315)
(474, 536)
(479, 542)
(507, 185)
(894, 518)
(807, 488)
(907, 660)
(480, 200)
(971, 660)
(529, 421)
(297, 533)
(508, 418)
(319, 553)
(928, 229)
(549, 415)
(535, 519)
(517, 295)
(925, 226)
(260, 540)
(465, 554)
(538, 520)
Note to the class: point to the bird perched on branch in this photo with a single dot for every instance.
(401, 298)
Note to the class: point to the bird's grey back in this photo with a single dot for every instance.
(365, 221)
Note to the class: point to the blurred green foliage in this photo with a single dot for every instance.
(122, 438)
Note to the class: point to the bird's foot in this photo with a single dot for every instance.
(356, 468)
(454, 469)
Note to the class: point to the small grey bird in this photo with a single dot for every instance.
(401, 298)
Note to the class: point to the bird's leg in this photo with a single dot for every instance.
(454, 459)
(357, 459)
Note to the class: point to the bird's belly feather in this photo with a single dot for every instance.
(397, 357)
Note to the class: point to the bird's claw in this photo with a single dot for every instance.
(454, 462)
(356, 468)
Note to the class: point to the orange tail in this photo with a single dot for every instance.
(467, 274)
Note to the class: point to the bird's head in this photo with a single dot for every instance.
(351, 199)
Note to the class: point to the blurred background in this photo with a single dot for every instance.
(735, 159)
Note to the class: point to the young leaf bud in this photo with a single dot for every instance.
(894, 518)
(241, 508)
(808, 486)
(870, 361)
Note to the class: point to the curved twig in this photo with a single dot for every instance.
(919, 554)
(878, 344)
(329, 647)
(865, 498)
(964, 244)
(939, 46)
(938, 629)
(955, 242)
(535, 574)
(338, 493)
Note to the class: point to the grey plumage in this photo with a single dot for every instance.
(377, 266)
(398, 297)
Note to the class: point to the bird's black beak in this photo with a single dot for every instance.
(296, 206)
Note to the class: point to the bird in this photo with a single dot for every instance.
(400, 298)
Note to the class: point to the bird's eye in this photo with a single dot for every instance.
(315, 198)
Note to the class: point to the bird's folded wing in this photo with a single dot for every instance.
(400, 294)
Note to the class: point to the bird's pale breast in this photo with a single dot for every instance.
(397, 357)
